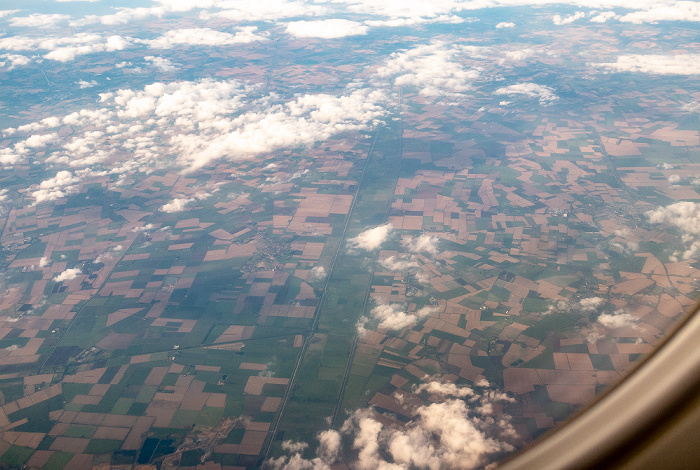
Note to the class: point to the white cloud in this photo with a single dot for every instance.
(686, 216)
(411, 12)
(505, 24)
(291, 446)
(459, 430)
(617, 320)
(424, 243)
(143, 228)
(4, 13)
(435, 69)
(161, 63)
(178, 204)
(643, 10)
(204, 37)
(68, 275)
(558, 20)
(8, 157)
(412, 21)
(318, 273)
(544, 93)
(15, 60)
(307, 119)
(255, 10)
(664, 11)
(327, 453)
(426, 311)
(64, 49)
(330, 28)
(191, 124)
(39, 141)
(404, 13)
(37, 20)
(394, 263)
(445, 389)
(394, 316)
(519, 54)
(628, 241)
(329, 445)
(122, 16)
(591, 304)
(85, 84)
(679, 64)
(61, 185)
(372, 238)
(604, 16)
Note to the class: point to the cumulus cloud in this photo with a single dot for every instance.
(372, 238)
(318, 273)
(143, 228)
(205, 37)
(307, 119)
(394, 317)
(659, 64)
(435, 69)
(65, 49)
(161, 63)
(291, 446)
(407, 12)
(12, 61)
(68, 53)
(255, 10)
(544, 93)
(396, 263)
(85, 84)
(122, 16)
(413, 12)
(188, 125)
(627, 242)
(604, 16)
(558, 20)
(327, 453)
(415, 20)
(61, 185)
(38, 20)
(591, 304)
(505, 24)
(329, 445)
(684, 215)
(445, 388)
(617, 320)
(664, 11)
(179, 204)
(44, 261)
(424, 243)
(459, 430)
(68, 275)
(330, 28)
